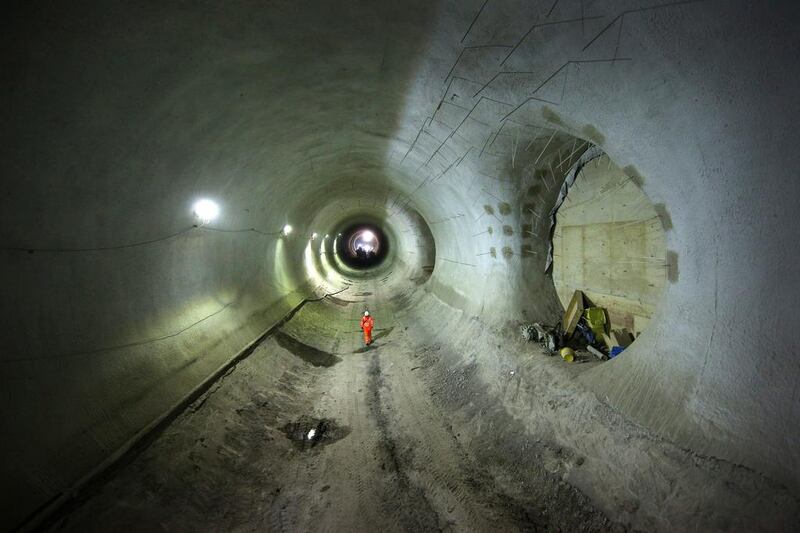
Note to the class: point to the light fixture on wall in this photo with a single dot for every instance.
(205, 210)
(287, 229)
(313, 235)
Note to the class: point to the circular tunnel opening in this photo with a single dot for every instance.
(362, 246)
(609, 252)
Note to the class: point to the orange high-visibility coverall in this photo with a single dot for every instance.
(367, 323)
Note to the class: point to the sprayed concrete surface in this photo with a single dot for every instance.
(450, 125)
(410, 435)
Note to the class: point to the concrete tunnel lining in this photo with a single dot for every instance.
(118, 116)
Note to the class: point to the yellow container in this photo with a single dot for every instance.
(567, 354)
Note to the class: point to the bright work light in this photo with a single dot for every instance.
(205, 210)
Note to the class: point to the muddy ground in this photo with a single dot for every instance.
(315, 432)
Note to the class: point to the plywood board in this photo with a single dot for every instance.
(573, 313)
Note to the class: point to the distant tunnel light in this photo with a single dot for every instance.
(205, 210)
(313, 235)
(287, 229)
(364, 240)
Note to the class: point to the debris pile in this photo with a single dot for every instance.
(548, 337)
(583, 327)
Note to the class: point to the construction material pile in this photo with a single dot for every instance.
(583, 326)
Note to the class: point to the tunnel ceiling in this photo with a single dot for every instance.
(243, 107)
(445, 119)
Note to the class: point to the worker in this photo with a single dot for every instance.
(367, 323)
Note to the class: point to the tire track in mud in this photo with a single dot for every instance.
(346, 484)
(457, 480)
(356, 501)
(432, 458)
(451, 477)
(404, 500)
(521, 473)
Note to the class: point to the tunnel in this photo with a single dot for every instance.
(185, 185)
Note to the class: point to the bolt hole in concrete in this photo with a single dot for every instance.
(609, 243)
(308, 432)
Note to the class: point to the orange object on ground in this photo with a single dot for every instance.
(367, 323)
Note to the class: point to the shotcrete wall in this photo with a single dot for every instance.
(691, 111)
(117, 116)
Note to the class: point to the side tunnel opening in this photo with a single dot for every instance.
(610, 244)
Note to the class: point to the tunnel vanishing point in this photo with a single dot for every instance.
(201, 199)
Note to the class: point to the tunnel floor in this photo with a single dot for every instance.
(385, 456)
(412, 435)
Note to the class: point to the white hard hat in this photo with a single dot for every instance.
(366, 313)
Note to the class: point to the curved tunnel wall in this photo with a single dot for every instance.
(116, 117)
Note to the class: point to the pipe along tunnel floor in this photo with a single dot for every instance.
(408, 437)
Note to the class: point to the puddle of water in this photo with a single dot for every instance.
(308, 432)
(307, 353)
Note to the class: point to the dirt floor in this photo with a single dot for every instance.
(382, 455)
(315, 432)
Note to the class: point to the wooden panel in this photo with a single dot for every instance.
(609, 243)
